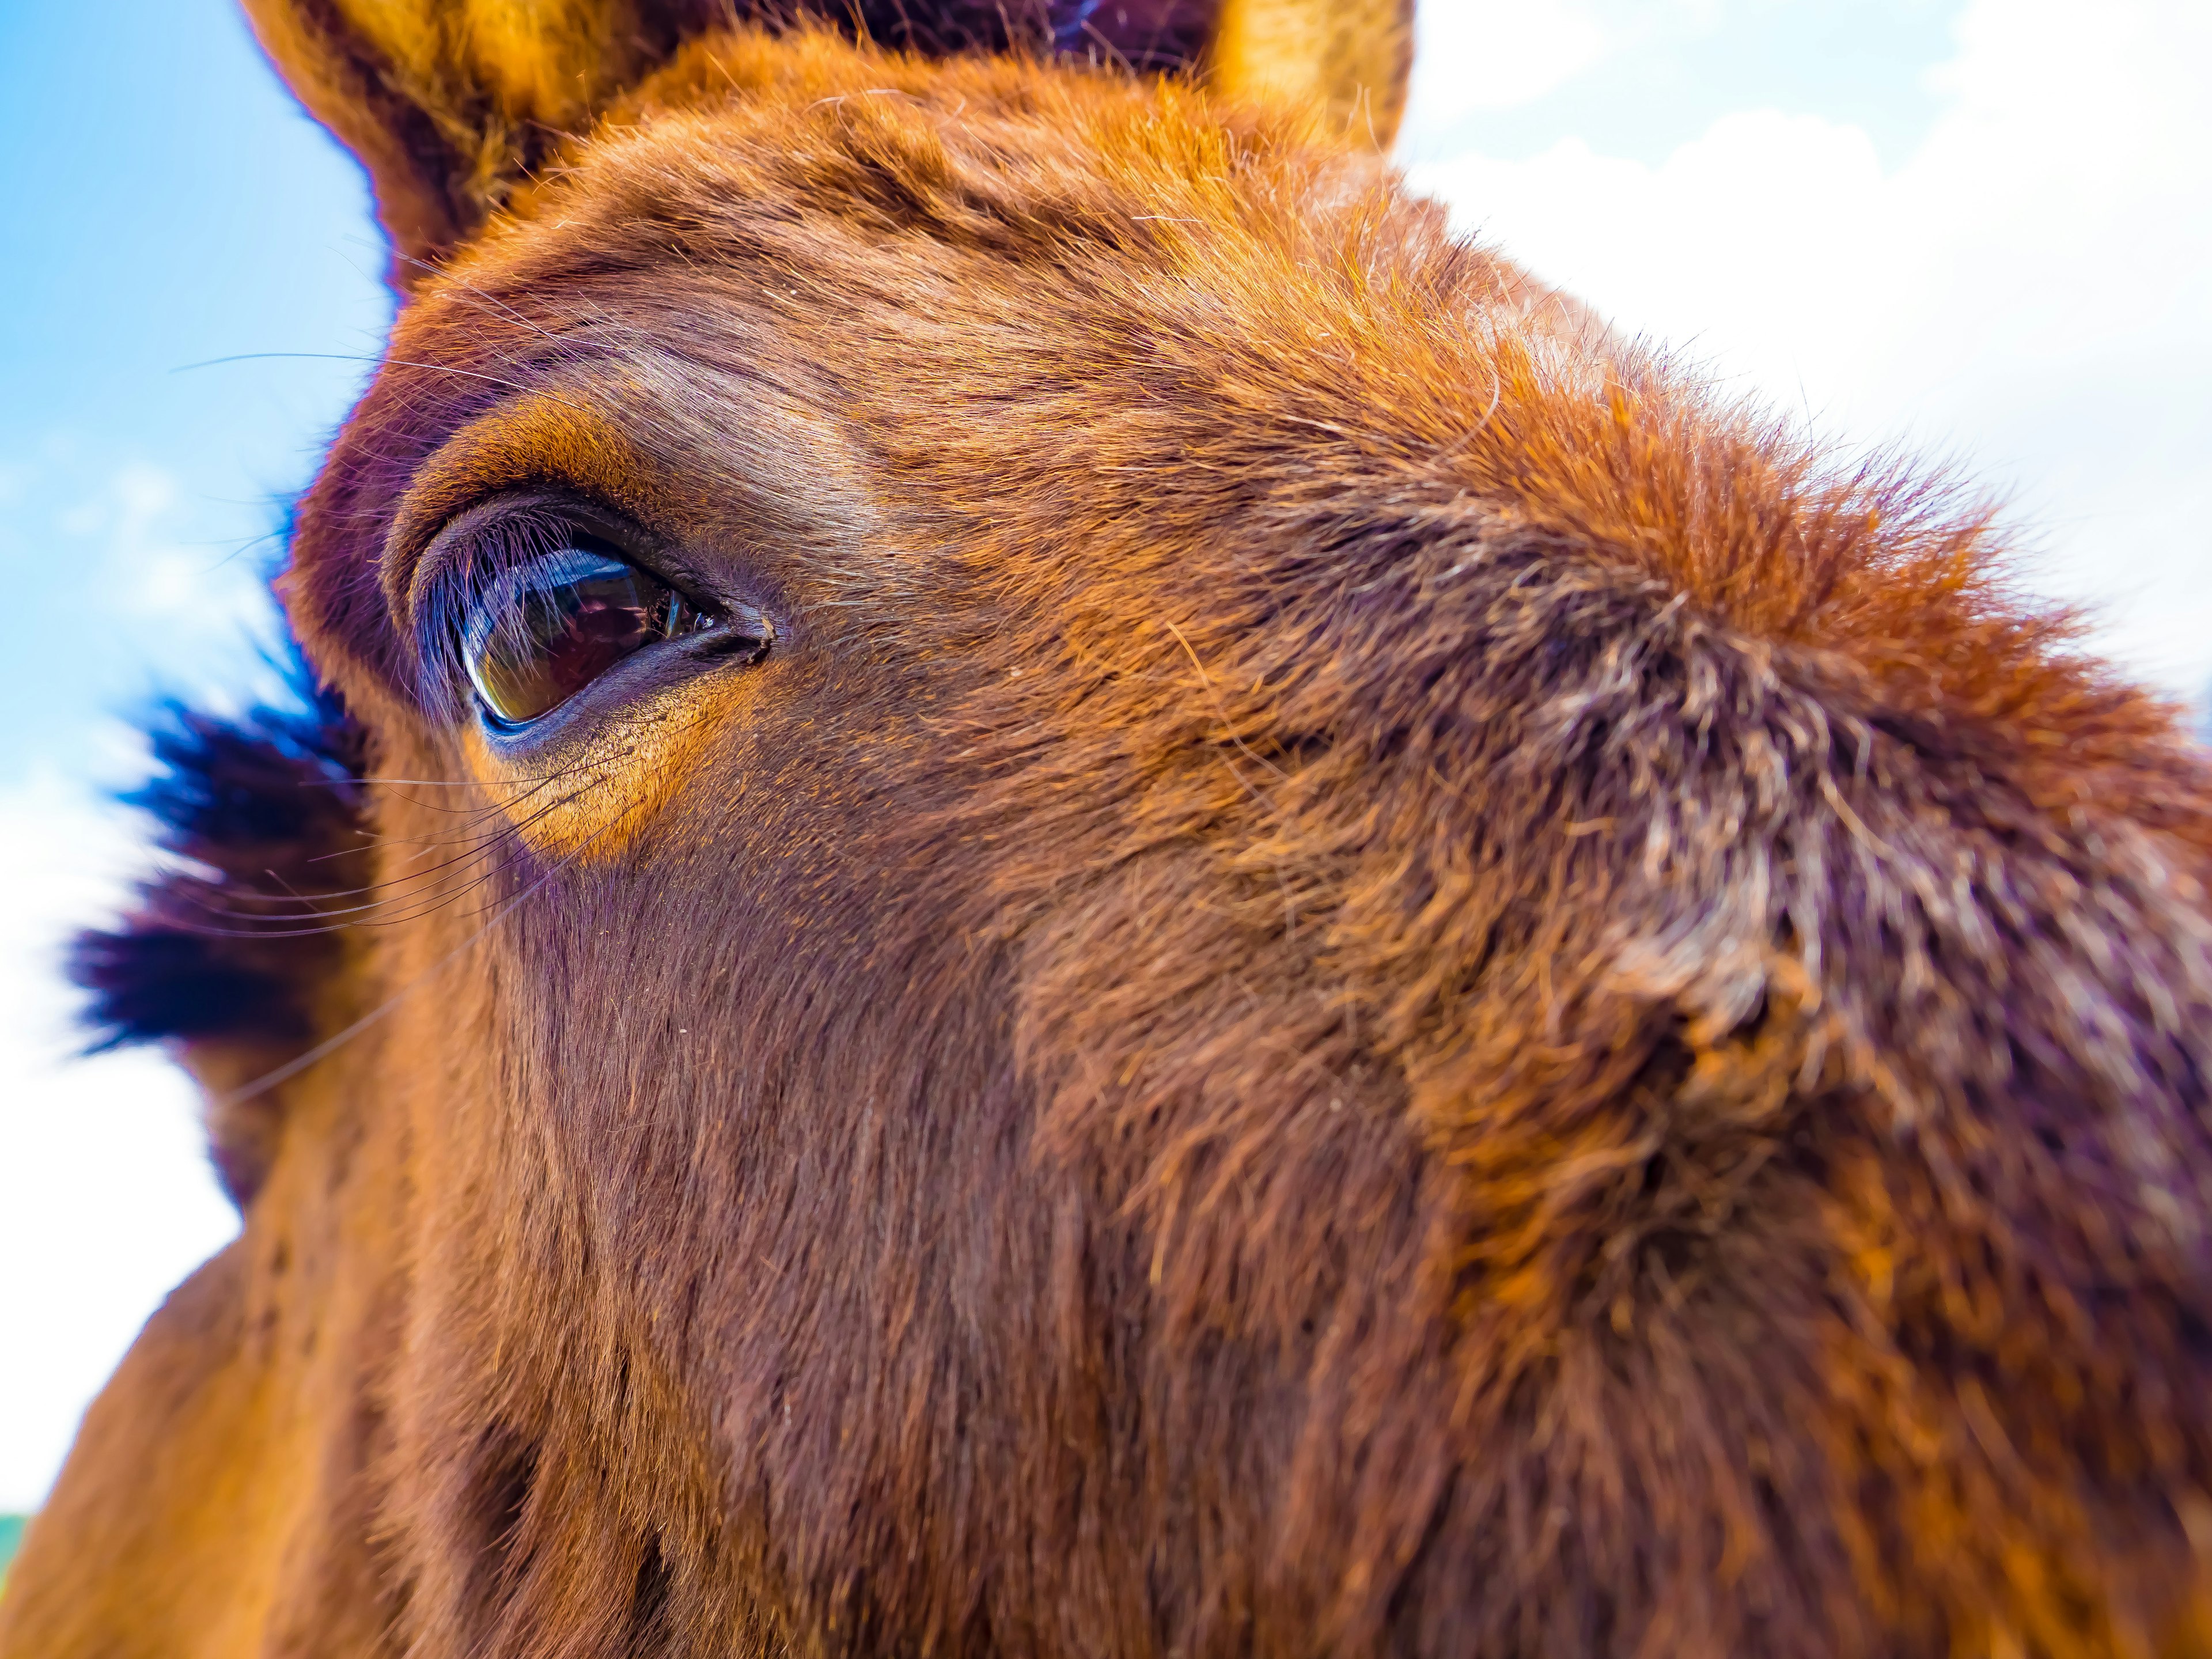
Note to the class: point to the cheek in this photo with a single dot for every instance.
(596, 797)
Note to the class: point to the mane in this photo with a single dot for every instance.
(260, 818)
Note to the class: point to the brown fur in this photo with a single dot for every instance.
(452, 104)
(1362, 976)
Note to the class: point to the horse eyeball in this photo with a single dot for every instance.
(546, 628)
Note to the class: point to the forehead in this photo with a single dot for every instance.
(947, 292)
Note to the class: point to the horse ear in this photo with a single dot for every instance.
(450, 103)
(1350, 58)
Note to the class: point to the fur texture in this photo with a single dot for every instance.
(1362, 976)
(233, 943)
(452, 104)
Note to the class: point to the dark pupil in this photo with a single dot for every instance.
(548, 629)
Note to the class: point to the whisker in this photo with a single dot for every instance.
(332, 1044)
(501, 381)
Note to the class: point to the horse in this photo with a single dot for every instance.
(1045, 887)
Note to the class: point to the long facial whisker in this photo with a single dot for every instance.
(404, 906)
(467, 849)
(503, 382)
(332, 1044)
(403, 897)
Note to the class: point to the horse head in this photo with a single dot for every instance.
(1057, 890)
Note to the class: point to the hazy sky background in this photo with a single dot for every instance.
(1980, 227)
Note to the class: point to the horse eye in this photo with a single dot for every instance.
(545, 629)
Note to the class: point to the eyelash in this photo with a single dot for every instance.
(519, 655)
(473, 559)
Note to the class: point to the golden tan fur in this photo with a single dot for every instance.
(1360, 978)
(1351, 57)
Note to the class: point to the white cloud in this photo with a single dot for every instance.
(138, 589)
(2030, 292)
(106, 1201)
(196, 595)
(1500, 54)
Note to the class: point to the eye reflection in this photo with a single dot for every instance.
(547, 629)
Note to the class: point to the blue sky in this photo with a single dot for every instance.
(1980, 227)
(166, 205)
(162, 202)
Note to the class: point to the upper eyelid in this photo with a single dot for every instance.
(454, 549)
(452, 554)
(757, 512)
(561, 448)
(451, 576)
(546, 442)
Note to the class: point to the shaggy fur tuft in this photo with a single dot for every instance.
(261, 815)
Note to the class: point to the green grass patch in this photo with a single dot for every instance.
(11, 1534)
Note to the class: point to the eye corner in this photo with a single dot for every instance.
(739, 631)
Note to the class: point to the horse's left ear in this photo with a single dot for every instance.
(1350, 56)
(450, 104)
